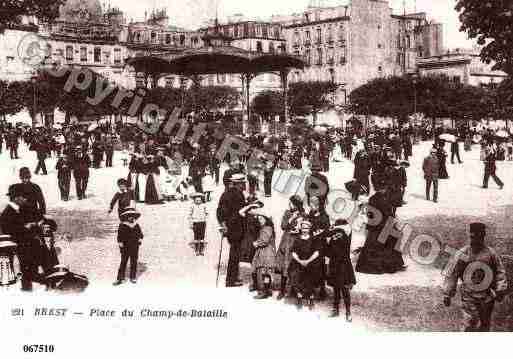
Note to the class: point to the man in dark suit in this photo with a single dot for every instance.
(431, 168)
(455, 151)
(35, 204)
(81, 164)
(12, 143)
(232, 224)
(42, 149)
(491, 169)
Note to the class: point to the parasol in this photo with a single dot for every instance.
(502, 134)
(447, 137)
(320, 130)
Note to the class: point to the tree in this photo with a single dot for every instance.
(436, 98)
(491, 23)
(211, 98)
(311, 97)
(10, 94)
(11, 11)
(268, 104)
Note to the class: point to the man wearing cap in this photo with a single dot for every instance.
(431, 168)
(483, 280)
(232, 224)
(235, 168)
(13, 222)
(81, 164)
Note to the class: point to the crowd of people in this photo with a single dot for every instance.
(314, 250)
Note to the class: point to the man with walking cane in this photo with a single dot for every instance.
(232, 224)
(483, 281)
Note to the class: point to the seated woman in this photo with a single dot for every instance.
(305, 267)
(378, 255)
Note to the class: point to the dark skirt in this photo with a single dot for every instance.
(379, 258)
(442, 173)
(341, 273)
(152, 195)
(284, 255)
(305, 279)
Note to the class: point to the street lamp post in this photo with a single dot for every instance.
(415, 80)
(34, 100)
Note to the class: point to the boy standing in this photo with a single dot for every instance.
(198, 222)
(129, 240)
(125, 197)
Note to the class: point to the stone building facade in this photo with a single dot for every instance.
(348, 45)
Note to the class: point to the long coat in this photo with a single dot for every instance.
(288, 225)
(230, 203)
(431, 167)
(265, 255)
(340, 269)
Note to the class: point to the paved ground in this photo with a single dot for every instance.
(88, 242)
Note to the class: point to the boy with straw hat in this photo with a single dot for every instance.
(129, 240)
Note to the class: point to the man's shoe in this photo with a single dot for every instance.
(133, 281)
(118, 282)
(349, 318)
(501, 187)
(264, 295)
(236, 284)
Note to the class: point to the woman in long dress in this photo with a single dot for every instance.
(290, 226)
(305, 267)
(153, 193)
(377, 257)
(442, 159)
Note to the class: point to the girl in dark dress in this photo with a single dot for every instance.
(305, 267)
(290, 226)
(340, 271)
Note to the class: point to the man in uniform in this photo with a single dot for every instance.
(483, 281)
(232, 224)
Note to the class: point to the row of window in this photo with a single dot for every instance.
(69, 54)
(246, 30)
(329, 38)
(329, 57)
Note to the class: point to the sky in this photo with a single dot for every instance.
(192, 14)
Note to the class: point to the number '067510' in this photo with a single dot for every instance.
(38, 348)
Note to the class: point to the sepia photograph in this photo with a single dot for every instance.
(340, 167)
